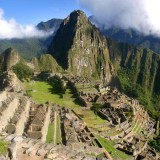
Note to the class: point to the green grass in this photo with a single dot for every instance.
(115, 153)
(3, 147)
(41, 92)
(90, 118)
(113, 132)
(139, 130)
(58, 134)
(50, 134)
(95, 143)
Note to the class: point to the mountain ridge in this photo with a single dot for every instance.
(129, 36)
(81, 49)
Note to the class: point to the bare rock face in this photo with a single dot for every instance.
(10, 58)
(80, 48)
(10, 82)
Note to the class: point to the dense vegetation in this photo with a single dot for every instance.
(156, 143)
(22, 70)
(57, 85)
(135, 90)
(27, 48)
(46, 63)
(3, 147)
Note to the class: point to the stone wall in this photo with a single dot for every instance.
(8, 113)
(26, 148)
(23, 119)
(3, 96)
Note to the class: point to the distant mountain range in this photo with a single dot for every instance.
(129, 36)
(31, 47)
(79, 48)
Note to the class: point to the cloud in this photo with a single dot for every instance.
(141, 15)
(11, 29)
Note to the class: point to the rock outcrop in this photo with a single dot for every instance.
(9, 58)
(10, 82)
(80, 48)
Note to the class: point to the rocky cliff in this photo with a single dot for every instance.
(142, 65)
(80, 48)
(8, 59)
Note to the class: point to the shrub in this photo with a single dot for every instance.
(22, 70)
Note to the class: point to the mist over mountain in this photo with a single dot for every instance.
(141, 16)
(30, 47)
(10, 29)
(130, 36)
(50, 25)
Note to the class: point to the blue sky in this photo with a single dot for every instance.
(34, 11)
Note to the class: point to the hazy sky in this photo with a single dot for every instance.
(34, 11)
(19, 17)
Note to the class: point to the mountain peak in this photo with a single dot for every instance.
(78, 13)
(80, 48)
(76, 16)
(11, 57)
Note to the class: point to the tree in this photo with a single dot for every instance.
(96, 107)
(57, 85)
(22, 70)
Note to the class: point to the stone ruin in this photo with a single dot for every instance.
(10, 82)
(131, 124)
(25, 126)
(126, 118)
(31, 149)
(132, 130)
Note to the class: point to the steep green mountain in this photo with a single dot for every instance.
(11, 60)
(129, 36)
(45, 63)
(8, 59)
(138, 70)
(27, 48)
(81, 49)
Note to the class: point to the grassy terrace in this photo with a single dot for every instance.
(49, 138)
(115, 153)
(42, 92)
(58, 134)
(3, 147)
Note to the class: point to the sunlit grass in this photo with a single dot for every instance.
(50, 134)
(42, 92)
(115, 153)
(3, 147)
(58, 134)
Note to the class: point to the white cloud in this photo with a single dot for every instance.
(141, 15)
(11, 29)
